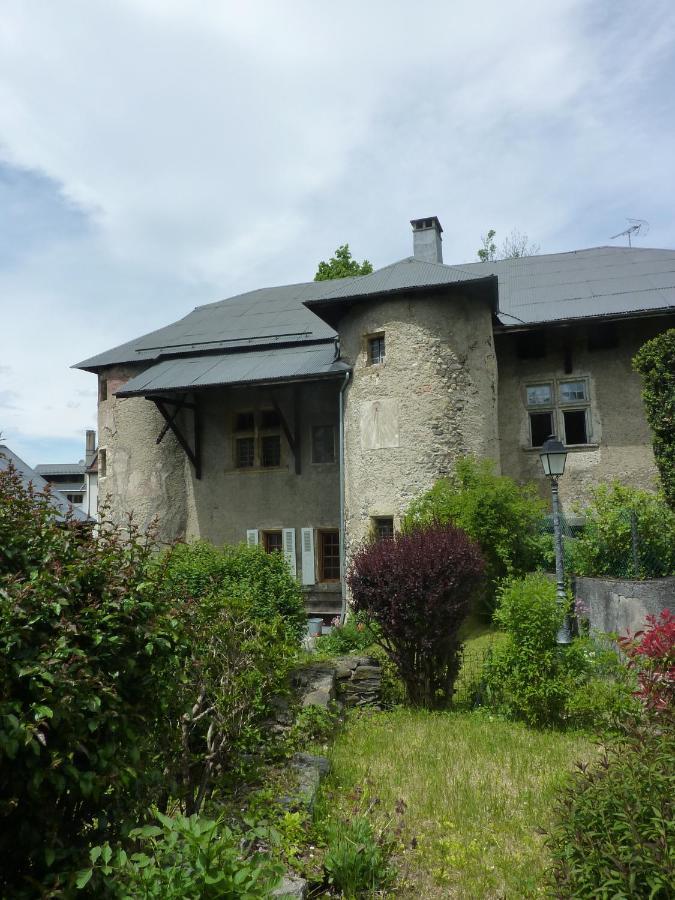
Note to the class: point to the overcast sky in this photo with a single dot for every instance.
(156, 155)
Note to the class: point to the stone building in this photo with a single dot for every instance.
(305, 416)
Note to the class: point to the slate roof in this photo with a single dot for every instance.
(30, 476)
(60, 469)
(262, 366)
(276, 322)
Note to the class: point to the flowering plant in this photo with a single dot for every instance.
(651, 653)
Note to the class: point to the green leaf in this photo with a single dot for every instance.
(83, 878)
(94, 853)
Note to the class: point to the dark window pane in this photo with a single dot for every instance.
(575, 426)
(323, 444)
(103, 389)
(269, 418)
(244, 422)
(384, 527)
(102, 463)
(329, 542)
(271, 450)
(541, 427)
(272, 541)
(245, 453)
(376, 350)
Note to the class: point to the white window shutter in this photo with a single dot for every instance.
(308, 556)
(252, 537)
(289, 550)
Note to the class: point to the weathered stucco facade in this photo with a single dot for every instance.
(432, 399)
(619, 442)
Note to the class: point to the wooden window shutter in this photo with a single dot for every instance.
(289, 550)
(252, 537)
(308, 576)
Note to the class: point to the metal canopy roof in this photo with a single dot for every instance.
(60, 469)
(261, 366)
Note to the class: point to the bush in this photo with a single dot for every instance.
(356, 634)
(86, 661)
(502, 516)
(616, 821)
(357, 858)
(604, 546)
(529, 677)
(261, 579)
(418, 588)
(655, 361)
(651, 654)
(183, 859)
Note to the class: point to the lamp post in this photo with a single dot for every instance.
(553, 455)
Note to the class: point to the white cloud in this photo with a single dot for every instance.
(218, 146)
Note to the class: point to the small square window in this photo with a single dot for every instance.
(270, 446)
(272, 542)
(383, 527)
(244, 422)
(539, 395)
(376, 350)
(269, 418)
(575, 426)
(329, 555)
(572, 391)
(244, 452)
(541, 427)
(323, 444)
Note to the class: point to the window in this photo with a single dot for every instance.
(329, 555)
(102, 463)
(102, 389)
(269, 418)
(244, 457)
(74, 498)
(270, 451)
(383, 526)
(375, 349)
(323, 444)
(558, 407)
(272, 541)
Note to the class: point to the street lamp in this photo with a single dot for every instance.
(553, 455)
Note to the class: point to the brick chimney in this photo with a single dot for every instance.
(90, 447)
(427, 240)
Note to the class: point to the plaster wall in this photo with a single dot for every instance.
(408, 418)
(620, 605)
(142, 478)
(620, 438)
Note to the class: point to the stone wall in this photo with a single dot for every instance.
(621, 605)
(620, 438)
(432, 399)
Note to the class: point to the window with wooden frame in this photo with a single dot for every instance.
(560, 407)
(329, 555)
(273, 541)
(383, 527)
(244, 440)
(375, 345)
(323, 444)
(270, 439)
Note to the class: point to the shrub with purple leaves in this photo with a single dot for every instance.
(417, 588)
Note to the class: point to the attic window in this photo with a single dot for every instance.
(375, 349)
(531, 345)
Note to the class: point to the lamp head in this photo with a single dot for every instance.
(553, 455)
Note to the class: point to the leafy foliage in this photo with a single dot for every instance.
(501, 515)
(528, 677)
(357, 857)
(655, 361)
(342, 266)
(85, 648)
(616, 821)
(262, 580)
(357, 633)
(604, 546)
(514, 246)
(651, 654)
(417, 587)
(184, 858)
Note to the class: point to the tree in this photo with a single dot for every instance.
(655, 362)
(342, 266)
(514, 246)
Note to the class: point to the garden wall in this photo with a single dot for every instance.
(620, 605)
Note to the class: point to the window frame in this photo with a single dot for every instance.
(377, 524)
(380, 338)
(557, 407)
(272, 532)
(322, 534)
(323, 462)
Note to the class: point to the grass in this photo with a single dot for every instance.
(476, 789)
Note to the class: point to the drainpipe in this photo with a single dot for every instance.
(343, 608)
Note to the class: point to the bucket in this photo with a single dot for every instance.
(314, 627)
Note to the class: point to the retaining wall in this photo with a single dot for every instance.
(621, 605)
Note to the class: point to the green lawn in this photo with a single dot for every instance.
(477, 790)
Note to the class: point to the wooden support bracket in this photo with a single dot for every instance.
(194, 455)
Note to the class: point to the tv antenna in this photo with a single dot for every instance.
(635, 227)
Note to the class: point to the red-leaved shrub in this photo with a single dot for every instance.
(418, 588)
(651, 653)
